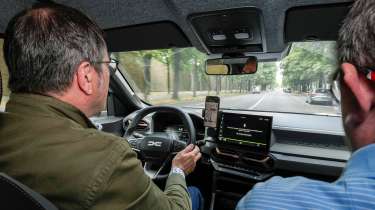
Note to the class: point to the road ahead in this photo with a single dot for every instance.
(275, 101)
(272, 101)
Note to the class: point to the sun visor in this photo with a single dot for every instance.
(229, 31)
(315, 22)
(160, 35)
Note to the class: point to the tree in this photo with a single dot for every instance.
(192, 62)
(164, 56)
(138, 65)
(265, 78)
(132, 64)
(309, 65)
(218, 84)
(176, 76)
(147, 66)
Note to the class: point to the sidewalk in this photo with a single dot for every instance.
(157, 98)
(165, 95)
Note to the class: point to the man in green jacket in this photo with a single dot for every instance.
(59, 76)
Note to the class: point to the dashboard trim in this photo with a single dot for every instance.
(286, 128)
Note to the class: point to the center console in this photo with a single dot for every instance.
(242, 152)
(243, 145)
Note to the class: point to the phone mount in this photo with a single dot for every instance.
(212, 131)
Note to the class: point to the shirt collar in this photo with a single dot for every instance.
(42, 105)
(361, 162)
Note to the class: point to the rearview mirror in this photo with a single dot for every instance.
(232, 66)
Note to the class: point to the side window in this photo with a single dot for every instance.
(4, 79)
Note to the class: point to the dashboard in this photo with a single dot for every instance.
(296, 143)
(172, 124)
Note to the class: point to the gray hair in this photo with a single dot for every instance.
(356, 41)
(45, 44)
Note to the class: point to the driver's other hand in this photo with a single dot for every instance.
(187, 159)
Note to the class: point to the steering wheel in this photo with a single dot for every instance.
(158, 148)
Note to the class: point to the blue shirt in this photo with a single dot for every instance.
(355, 189)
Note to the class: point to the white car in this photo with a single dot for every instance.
(320, 96)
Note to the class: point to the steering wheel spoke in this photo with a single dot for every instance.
(156, 173)
(134, 140)
(178, 145)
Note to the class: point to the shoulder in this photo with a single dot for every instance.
(294, 193)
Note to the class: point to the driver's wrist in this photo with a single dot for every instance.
(177, 170)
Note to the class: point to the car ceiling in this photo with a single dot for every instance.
(120, 13)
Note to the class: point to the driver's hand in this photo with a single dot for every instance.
(187, 159)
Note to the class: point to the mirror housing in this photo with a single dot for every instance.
(232, 66)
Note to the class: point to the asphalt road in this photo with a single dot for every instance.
(275, 101)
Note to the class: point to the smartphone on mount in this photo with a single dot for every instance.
(211, 111)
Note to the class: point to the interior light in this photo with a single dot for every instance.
(241, 35)
(219, 37)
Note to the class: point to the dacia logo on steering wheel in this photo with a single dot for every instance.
(154, 143)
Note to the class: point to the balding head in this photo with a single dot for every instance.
(356, 41)
(45, 44)
(356, 45)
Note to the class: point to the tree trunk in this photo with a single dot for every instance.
(218, 84)
(231, 85)
(147, 66)
(194, 80)
(176, 69)
(240, 85)
(199, 81)
(321, 81)
(209, 85)
(168, 76)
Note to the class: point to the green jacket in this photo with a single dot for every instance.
(54, 149)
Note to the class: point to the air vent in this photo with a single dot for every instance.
(142, 125)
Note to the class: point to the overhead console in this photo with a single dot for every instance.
(230, 31)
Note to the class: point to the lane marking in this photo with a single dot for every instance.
(257, 103)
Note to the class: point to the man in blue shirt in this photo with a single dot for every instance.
(354, 86)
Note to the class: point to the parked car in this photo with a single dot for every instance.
(320, 96)
(256, 90)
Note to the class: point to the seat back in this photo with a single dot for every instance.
(1, 87)
(16, 196)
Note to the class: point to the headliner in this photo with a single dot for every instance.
(119, 13)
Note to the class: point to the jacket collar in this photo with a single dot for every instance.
(42, 105)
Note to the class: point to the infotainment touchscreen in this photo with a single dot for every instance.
(251, 132)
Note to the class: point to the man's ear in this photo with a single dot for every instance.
(359, 85)
(85, 77)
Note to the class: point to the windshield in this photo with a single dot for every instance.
(177, 77)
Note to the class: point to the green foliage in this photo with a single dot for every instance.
(186, 72)
(309, 65)
(132, 65)
(265, 77)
